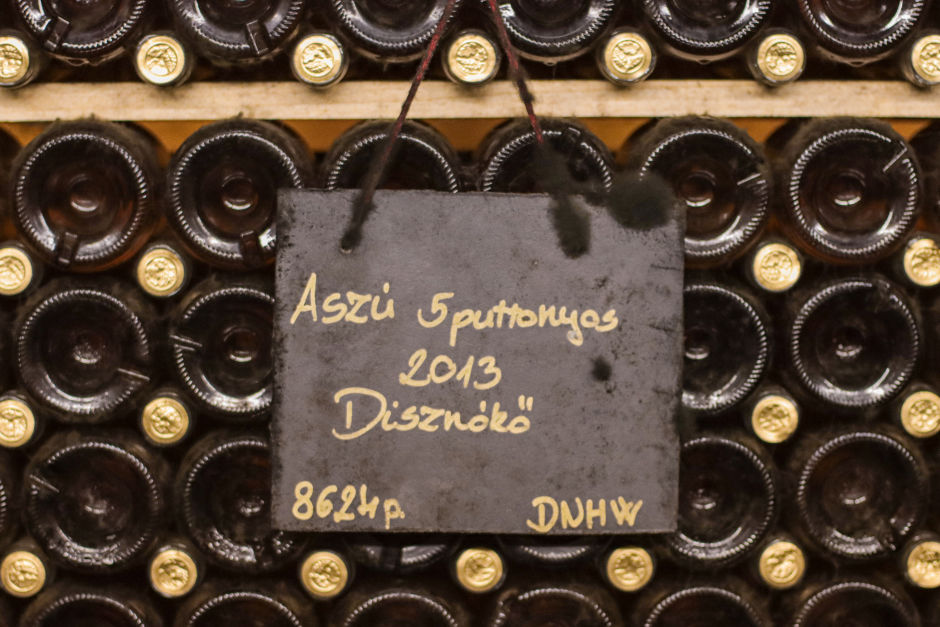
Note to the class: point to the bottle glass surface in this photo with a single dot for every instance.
(86, 194)
(856, 602)
(702, 606)
(556, 604)
(95, 503)
(245, 604)
(80, 604)
(556, 30)
(400, 554)
(222, 190)
(397, 606)
(709, 30)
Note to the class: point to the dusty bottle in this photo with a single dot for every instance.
(175, 567)
(25, 569)
(728, 345)
(705, 31)
(729, 497)
(859, 493)
(776, 57)
(264, 602)
(853, 189)
(552, 31)
(722, 602)
(85, 194)
(85, 350)
(555, 603)
(20, 271)
(508, 164)
(720, 177)
(544, 552)
(854, 32)
(82, 604)
(21, 422)
(223, 499)
(779, 563)
(414, 604)
(220, 343)
(390, 32)
(772, 414)
(222, 190)
(471, 57)
(23, 60)
(85, 33)
(423, 159)
(235, 32)
(95, 502)
(163, 59)
(852, 602)
(400, 554)
(479, 569)
(854, 342)
(10, 498)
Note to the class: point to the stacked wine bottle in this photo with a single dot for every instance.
(136, 379)
(168, 41)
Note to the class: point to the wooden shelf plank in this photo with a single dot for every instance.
(442, 100)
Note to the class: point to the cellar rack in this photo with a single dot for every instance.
(355, 100)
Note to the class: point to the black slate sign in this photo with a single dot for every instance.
(457, 372)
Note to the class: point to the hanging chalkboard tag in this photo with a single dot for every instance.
(458, 372)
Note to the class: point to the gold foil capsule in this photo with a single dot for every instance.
(161, 271)
(629, 568)
(165, 420)
(173, 573)
(782, 564)
(925, 59)
(17, 423)
(319, 60)
(627, 57)
(922, 262)
(161, 59)
(16, 271)
(479, 570)
(780, 58)
(776, 267)
(774, 418)
(472, 58)
(22, 574)
(923, 565)
(920, 414)
(15, 61)
(324, 575)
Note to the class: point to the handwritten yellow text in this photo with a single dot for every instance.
(338, 307)
(442, 369)
(583, 514)
(325, 506)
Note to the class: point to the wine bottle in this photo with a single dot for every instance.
(222, 190)
(223, 501)
(920, 560)
(773, 414)
(723, 602)
(854, 342)
(10, 498)
(162, 269)
(85, 349)
(853, 189)
(400, 554)
(859, 493)
(918, 60)
(479, 570)
(25, 570)
(95, 502)
(69, 603)
(547, 552)
(720, 177)
(917, 410)
(86, 193)
(326, 574)
(163, 59)
(918, 263)
(926, 149)
(319, 59)
(220, 341)
(628, 568)
(727, 345)
(175, 568)
(414, 604)
(705, 31)
(424, 159)
(554, 603)
(728, 501)
(777, 57)
(20, 272)
(21, 425)
(851, 601)
(551, 31)
(780, 562)
(166, 418)
(85, 33)
(857, 33)
(508, 161)
(471, 57)
(22, 59)
(234, 32)
(390, 32)
(626, 57)
(268, 603)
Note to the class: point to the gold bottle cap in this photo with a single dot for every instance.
(479, 570)
(782, 565)
(629, 568)
(922, 262)
(14, 60)
(17, 423)
(774, 418)
(776, 267)
(22, 574)
(628, 57)
(780, 58)
(161, 59)
(920, 414)
(318, 60)
(16, 270)
(161, 272)
(925, 59)
(923, 565)
(165, 420)
(324, 575)
(173, 573)
(472, 59)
